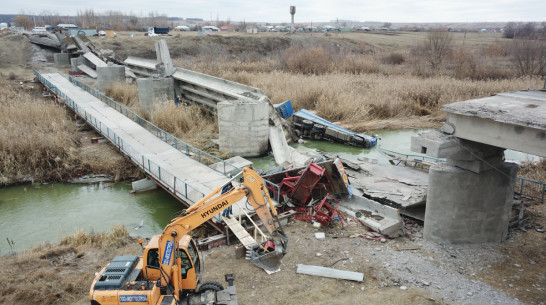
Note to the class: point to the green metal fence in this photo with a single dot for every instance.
(530, 189)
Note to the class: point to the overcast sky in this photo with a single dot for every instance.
(306, 10)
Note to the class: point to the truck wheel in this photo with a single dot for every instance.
(210, 285)
(319, 129)
(358, 141)
(306, 124)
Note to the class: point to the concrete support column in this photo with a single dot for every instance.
(61, 59)
(470, 197)
(468, 207)
(76, 61)
(152, 91)
(243, 127)
(109, 75)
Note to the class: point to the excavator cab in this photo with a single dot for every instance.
(187, 257)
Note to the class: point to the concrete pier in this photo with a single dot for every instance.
(61, 59)
(75, 62)
(468, 207)
(470, 196)
(244, 127)
(152, 91)
(110, 74)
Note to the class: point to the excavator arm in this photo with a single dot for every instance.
(253, 188)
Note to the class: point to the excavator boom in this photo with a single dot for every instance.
(253, 188)
(170, 269)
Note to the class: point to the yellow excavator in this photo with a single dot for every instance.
(171, 267)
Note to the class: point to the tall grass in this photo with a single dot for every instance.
(37, 138)
(61, 273)
(39, 141)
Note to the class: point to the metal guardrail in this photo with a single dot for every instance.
(530, 189)
(149, 166)
(187, 149)
(173, 183)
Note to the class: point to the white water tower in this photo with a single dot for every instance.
(292, 12)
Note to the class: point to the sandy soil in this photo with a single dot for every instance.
(432, 274)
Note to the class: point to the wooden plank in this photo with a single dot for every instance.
(330, 272)
(239, 231)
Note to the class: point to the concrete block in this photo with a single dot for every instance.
(243, 128)
(435, 144)
(109, 74)
(61, 59)
(143, 185)
(467, 207)
(75, 62)
(380, 218)
(320, 236)
(164, 58)
(153, 91)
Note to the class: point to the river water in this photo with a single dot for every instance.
(34, 214)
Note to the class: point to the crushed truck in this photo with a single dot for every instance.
(171, 267)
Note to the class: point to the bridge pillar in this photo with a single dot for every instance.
(109, 75)
(152, 91)
(470, 197)
(243, 127)
(76, 61)
(61, 59)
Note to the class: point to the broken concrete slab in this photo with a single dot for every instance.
(330, 272)
(95, 60)
(90, 72)
(376, 216)
(164, 58)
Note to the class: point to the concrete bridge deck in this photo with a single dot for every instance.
(185, 178)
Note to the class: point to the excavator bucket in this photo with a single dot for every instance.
(269, 261)
(268, 255)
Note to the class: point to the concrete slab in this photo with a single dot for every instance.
(95, 60)
(90, 72)
(513, 120)
(378, 217)
(385, 183)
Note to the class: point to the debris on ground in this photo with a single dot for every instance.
(330, 272)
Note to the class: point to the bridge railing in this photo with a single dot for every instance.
(530, 188)
(415, 157)
(187, 149)
(173, 183)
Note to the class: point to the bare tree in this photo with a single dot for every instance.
(436, 47)
(87, 18)
(529, 56)
(23, 21)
